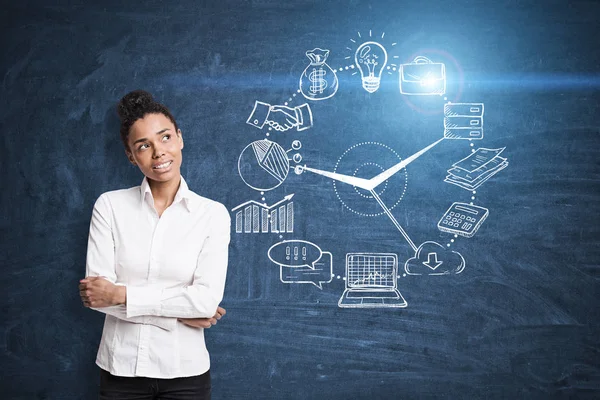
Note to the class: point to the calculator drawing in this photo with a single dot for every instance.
(463, 219)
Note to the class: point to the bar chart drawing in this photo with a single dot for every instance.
(255, 217)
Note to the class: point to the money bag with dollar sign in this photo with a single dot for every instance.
(318, 81)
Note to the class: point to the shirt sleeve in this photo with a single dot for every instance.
(259, 115)
(100, 261)
(202, 297)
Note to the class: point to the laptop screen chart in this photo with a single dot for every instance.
(371, 271)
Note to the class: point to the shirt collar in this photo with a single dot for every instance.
(183, 194)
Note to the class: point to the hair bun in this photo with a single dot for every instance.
(135, 105)
(133, 102)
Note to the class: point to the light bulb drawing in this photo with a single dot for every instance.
(370, 58)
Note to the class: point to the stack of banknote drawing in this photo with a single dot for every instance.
(473, 170)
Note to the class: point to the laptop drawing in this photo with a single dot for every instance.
(371, 281)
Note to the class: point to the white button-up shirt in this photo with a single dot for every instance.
(173, 267)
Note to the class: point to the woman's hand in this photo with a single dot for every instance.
(95, 291)
(204, 322)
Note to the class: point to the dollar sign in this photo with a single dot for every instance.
(317, 83)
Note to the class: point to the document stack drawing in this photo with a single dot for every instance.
(473, 170)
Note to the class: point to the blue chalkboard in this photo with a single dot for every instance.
(434, 233)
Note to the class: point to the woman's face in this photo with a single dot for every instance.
(155, 147)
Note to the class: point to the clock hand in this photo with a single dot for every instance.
(394, 220)
(363, 184)
(351, 180)
(370, 184)
(388, 173)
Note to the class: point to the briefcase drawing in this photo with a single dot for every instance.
(463, 121)
(422, 77)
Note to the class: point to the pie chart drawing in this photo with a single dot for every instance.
(263, 165)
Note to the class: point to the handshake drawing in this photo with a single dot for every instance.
(281, 118)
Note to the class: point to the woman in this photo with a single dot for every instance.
(156, 265)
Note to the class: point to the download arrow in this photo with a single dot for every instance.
(432, 261)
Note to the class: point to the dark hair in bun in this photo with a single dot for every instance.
(135, 105)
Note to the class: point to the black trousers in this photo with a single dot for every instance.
(137, 388)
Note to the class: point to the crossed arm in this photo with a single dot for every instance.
(97, 292)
